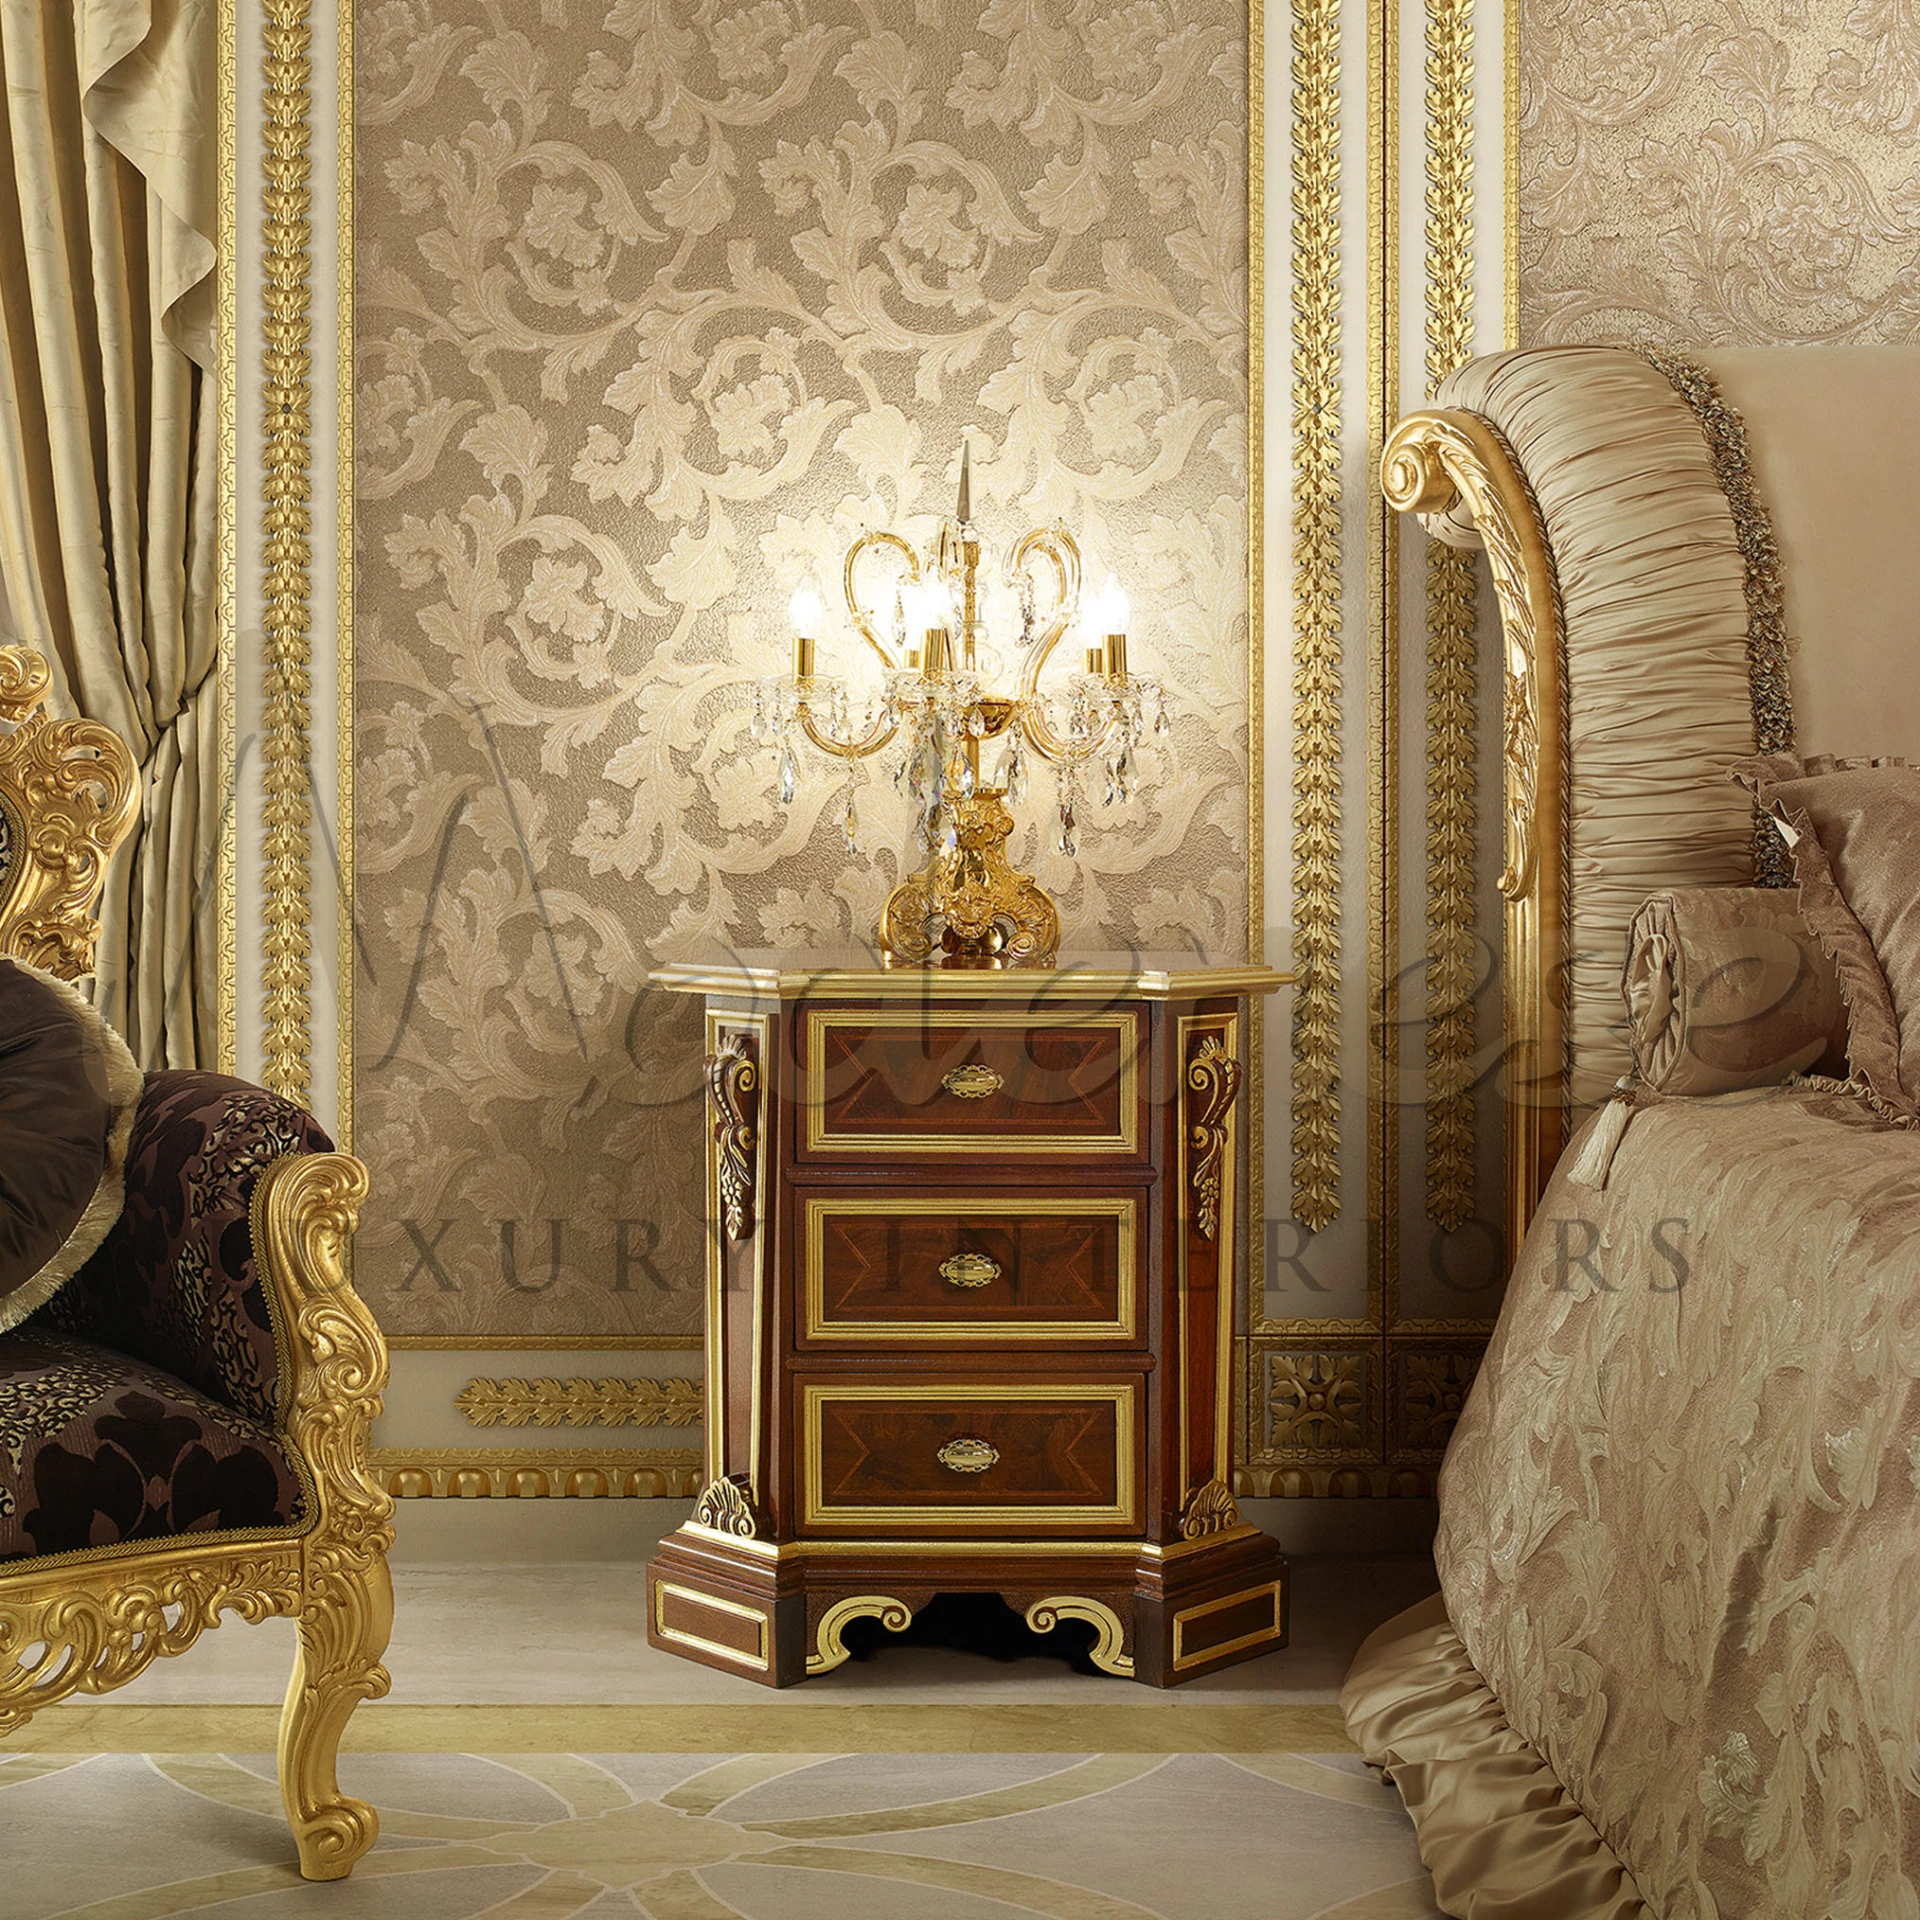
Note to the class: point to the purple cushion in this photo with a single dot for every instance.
(176, 1283)
(97, 1449)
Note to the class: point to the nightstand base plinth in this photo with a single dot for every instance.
(779, 1614)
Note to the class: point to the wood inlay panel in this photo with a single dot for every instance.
(1028, 1267)
(906, 1082)
(1043, 1456)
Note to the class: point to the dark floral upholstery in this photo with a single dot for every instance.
(174, 1284)
(96, 1449)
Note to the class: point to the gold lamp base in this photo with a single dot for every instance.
(968, 905)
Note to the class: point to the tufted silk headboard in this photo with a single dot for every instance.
(1696, 556)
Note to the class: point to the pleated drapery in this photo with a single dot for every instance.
(108, 443)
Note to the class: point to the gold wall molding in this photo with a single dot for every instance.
(226, 514)
(286, 29)
(581, 1403)
(1384, 400)
(1317, 627)
(560, 1473)
(1451, 636)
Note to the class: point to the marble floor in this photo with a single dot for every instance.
(536, 1759)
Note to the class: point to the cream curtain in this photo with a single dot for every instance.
(108, 435)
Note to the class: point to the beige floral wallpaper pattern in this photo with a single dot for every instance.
(659, 303)
(1719, 172)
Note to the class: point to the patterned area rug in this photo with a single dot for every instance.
(959, 1836)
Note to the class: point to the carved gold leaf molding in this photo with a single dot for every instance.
(569, 1473)
(1316, 612)
(581, 1403)
(1450, 638)
(286, 31)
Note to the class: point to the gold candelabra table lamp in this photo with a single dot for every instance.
(940, 708)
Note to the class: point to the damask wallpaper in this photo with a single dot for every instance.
(659, 303)
(1709, 171)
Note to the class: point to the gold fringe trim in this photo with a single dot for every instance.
(1768, 646)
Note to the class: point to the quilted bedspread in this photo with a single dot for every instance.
(1680, 1531)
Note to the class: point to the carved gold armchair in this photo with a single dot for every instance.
(183, 1426)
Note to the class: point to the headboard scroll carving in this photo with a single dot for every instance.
(1446, 461)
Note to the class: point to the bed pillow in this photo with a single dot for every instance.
(1728, 988)
(1854, 828)
(68, 1090)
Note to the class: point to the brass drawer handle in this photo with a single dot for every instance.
(968, 1455)
(972, 1082)
(969, 1270)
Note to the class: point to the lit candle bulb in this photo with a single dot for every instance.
(808, 615)
(930, 612)
(1110, 620)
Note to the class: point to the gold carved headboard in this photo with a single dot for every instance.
(1659, 530)
(1439, 463)
(69, 794)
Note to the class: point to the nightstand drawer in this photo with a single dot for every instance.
(1026, 1267)
(905, 1082)
(1042, 1456)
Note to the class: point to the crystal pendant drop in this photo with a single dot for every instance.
(1069, 841)
(1126, 778)
(1111, 792)
(789, 773)
(965, 783)
(1016, 771)
(850, 826)
(757, 727)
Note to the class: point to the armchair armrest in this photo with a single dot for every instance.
(181, 1281)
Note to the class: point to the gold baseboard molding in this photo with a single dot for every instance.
(559, 1473)
(1165, 1724)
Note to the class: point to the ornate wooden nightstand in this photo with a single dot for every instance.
(970, 1312)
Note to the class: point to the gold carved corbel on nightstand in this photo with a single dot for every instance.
(733, 1085)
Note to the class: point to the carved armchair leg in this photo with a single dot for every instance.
(344, 1629)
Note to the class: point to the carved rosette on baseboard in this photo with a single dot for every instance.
(723, 1505)
(1213, 1081)
(733, 1085)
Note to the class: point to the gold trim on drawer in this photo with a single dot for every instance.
(1123, 1209)
(1273, 1590)
(814, 1511)
(720, 1651)
(819, 1139)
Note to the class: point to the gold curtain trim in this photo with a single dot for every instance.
(1498, 1831)
(1768, 646)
